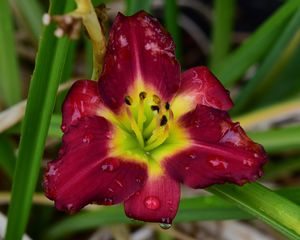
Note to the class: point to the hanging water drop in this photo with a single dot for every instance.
(165, 225)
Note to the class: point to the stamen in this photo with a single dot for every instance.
(152, 125)
(156, 99)
(167, 106)
(142, 95)
(135, 128)
(163, 120)
(141, 113)
(128, 100)
(160, 137)
(155, 108)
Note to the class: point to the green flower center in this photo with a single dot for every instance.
(150, 120)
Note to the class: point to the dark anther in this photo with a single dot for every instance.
(143, 95)
(167, 106)
(128, 100)
(163, 120)
(156, 99)
(155, 108)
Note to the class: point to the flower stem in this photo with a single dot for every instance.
(86, 12)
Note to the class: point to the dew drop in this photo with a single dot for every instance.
(152, 203)
(165, 225)
(192, 156)
(86, 139)
(64, 127)
(108, 201)
(247, 162)
(110, 164)
(138, 180)
(218, 162)
(256, 155)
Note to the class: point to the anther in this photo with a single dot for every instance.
(128, 100)
(163, 120)
(142, 95)
(155, 108)
(156, 99)
(167, 106)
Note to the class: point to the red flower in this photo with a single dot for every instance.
(144, 128)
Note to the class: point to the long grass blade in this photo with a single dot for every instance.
(259, 201)
(171, 22)
(132, 6)
(190, 209)
(224, 12)
(256, 46)
(7, 156)
(278, 140)
(41, 99)
(273, 65)
(10, 82)
(31, 12)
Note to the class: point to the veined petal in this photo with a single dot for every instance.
(140, 57)
(200, 86)
(220, 151)
(82, 100)
(157, 201)
(85, 172)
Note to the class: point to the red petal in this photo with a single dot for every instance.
(157, 201)
(200, 86)
(82, 100)
(84, 173)
(220, 152)
(138, 49)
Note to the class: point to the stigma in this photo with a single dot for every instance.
(150, 119)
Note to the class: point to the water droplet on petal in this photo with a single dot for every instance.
(247, 162)
(256, 155)
(110, 164)
(86, 139)
(192, 156)
(138, 180)
(165, 225)
(152, 203)
(108, 201)
(218, 162)
(64, 128)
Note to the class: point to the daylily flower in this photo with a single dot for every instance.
(144, 128)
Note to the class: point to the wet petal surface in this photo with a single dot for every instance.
(200, 86)
(82, 100)
(85, 173)
(157, 201)
(140, 55)
(220, 151)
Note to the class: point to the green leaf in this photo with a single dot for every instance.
(282, 168)
(277, 211)
(190, 209)
(171, 22)
(256, 46)
(134, 6)
(278, 140)
(273, 65)
(46, 77)
(31, 12)
(223, 21)
(10, 82)
(7, 156)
